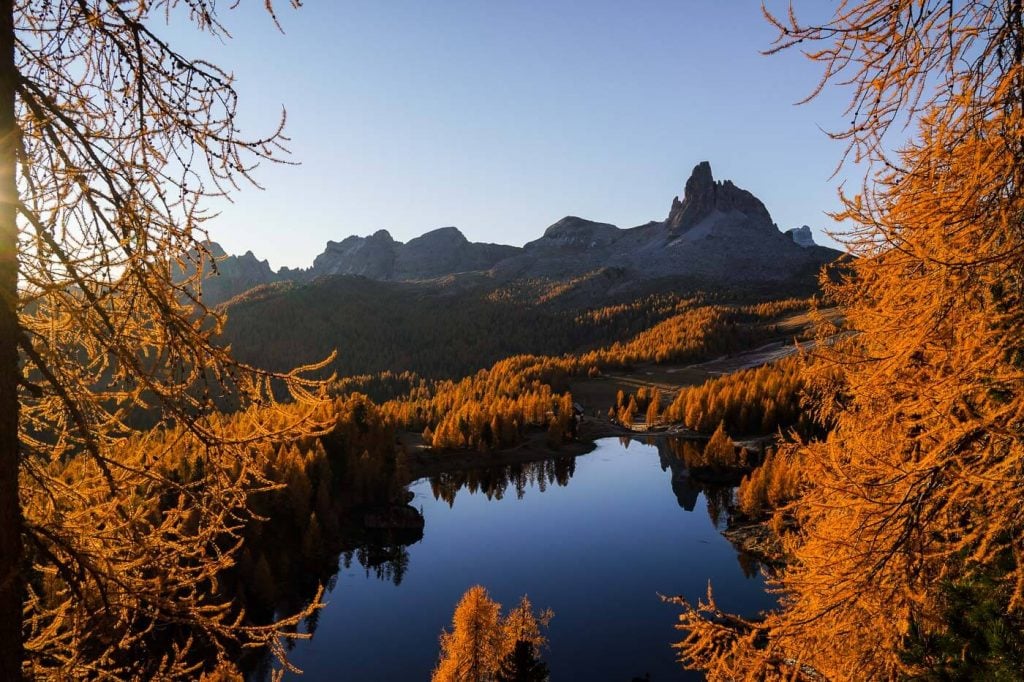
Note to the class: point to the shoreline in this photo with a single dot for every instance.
(756, 538)
(751, 537)
(429, 462)
(424, 462)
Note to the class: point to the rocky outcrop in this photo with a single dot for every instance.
(396, 516)
(801, 236)
(703, 197)
(717, 234)
(446, 251)
(437, 253)
(577, 234)
(229, 276)
(372, 257)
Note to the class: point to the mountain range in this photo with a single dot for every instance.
(717, 234)
(444, 307)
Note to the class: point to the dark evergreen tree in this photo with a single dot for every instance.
(523, 665)
(982, 638)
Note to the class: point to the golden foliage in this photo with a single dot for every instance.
(480, 638)
(117, 139)
(492, 408)
(720, 451)
(918, 484)
(771, 485)
(759, 400)
(469, 653)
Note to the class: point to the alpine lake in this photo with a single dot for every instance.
(597, 538)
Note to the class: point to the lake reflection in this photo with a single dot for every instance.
(595, 538)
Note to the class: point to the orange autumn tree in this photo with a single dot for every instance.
(914, 500)
(111, 141)
(481, 642)
(471, 651)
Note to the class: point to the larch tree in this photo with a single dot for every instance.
(483, 646)
(521, 644)
(916, 492)
(720, 451)
(523, 625)
(522, 665)
(653, 408)
(471, 651)
(110, 141)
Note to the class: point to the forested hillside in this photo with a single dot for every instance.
(439, 331)
(492, 408)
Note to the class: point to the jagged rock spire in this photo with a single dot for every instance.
(702, 196)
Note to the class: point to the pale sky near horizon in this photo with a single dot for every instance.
(502, 117)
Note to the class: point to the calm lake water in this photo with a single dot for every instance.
(595, 538)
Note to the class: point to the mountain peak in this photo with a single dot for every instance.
(575, 232)
(451, 235)
(703, 195)
(569, 222)
(701, 179)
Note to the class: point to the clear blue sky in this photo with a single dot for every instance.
(502, 117)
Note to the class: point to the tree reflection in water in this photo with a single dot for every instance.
(377, 536)
(494, 482)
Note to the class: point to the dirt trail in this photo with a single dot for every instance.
(769, 352)
(593, 393)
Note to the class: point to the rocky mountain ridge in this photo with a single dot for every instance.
(717, 233)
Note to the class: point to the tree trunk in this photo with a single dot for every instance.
(11, 553)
